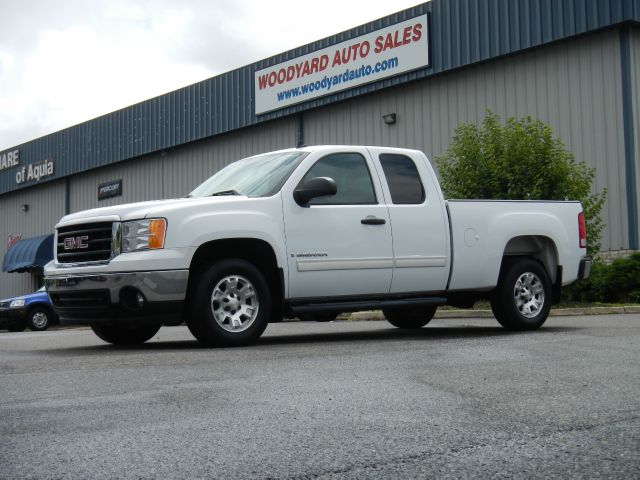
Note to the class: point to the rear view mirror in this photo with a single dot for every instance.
(312, 188)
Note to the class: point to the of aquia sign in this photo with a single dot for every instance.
(34, 172)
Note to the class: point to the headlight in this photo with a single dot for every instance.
(18, 302)
(143, 234)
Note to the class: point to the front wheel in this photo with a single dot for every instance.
(39, 319)
(231, 304)
(522, 299)
(129, 335)
(411, 318)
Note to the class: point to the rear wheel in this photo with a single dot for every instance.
(39, 319)
(231, 304)
(410, 318)
(129, 335)
(522, 299)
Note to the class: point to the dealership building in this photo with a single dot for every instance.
(404, 80)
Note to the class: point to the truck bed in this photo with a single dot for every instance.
(481, 229)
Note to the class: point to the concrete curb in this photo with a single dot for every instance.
(555, 312)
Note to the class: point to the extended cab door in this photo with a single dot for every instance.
(418, 219)
(338, 245)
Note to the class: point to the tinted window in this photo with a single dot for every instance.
(403, 179)
(351, 174)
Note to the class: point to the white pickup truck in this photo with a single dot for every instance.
(309, 233)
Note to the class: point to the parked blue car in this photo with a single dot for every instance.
(32, 310)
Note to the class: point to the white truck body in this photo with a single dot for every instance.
(328, 253)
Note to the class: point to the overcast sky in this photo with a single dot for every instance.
(66, 61)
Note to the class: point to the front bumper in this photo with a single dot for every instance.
(11, 316)
(153, 297)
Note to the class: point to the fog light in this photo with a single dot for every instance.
(132, 298)
(139, 300)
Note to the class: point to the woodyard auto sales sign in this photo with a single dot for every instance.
(380, 54)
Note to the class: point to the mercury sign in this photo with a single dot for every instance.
(384, 53)
(110, 189)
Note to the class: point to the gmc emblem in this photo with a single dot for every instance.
(76, 243)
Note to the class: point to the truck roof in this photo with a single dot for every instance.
(316, 148)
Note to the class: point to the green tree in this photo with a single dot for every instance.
(519, 160)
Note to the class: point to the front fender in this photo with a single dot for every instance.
(202, 227)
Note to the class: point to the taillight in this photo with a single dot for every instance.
(582, 230)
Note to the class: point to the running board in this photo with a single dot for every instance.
(358, 305)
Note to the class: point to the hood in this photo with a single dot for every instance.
(154, 208)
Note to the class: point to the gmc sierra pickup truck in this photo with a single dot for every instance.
(309, 233)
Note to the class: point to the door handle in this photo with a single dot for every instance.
(371, 220)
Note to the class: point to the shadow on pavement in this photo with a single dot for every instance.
(423, 334)
(426, 334)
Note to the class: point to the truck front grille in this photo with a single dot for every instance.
(89, 242)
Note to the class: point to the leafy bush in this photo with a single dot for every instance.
(615, 283)
(519, 160)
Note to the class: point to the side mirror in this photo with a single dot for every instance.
(312, 188)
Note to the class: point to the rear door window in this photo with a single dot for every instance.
(403, 179)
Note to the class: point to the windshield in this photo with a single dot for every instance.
(259, 176)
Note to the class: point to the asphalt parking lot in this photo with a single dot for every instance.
(458, 399)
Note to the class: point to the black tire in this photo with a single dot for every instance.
(522, 300)
(409, 318)
(318, 317)
(226, 315)
(39, 319)
(17, 327)
(129, 335)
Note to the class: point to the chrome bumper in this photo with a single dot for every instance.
(150, 297)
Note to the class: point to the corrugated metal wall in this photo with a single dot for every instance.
(574, 86)
(187, 167)
(635, 85)
(176, 172)
(463, 32)
(46, 206)
(141, 180)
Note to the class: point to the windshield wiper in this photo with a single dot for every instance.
(225, 192)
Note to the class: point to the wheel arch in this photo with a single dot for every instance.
(256, 251)
(46, 306)
(539, 247)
